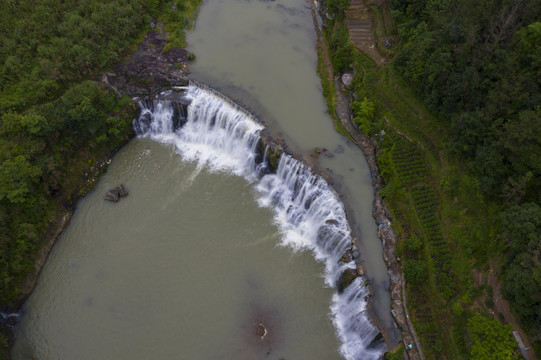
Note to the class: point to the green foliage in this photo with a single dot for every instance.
(414, 243)
(17, 176)
(364, 112)
(328, 88)
(457, 309)
(336, 8)
(54, 122)
(478, 66)
(415, 271)
(178, 18)
(38, 60)
(397, 354)
(342, 51)
(491, 340)
(389, 190)
(522, 277)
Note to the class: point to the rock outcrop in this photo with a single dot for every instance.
(347, 277)
(273, 148)
(149, 70)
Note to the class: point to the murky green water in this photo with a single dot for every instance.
(262, 54)
(185, 267)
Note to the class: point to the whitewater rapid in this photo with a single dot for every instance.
(217, 134)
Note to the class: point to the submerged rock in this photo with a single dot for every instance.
(261, 330)
(273, 148)
(116, 193)
(122, 191)
(331, 222)
(346, 257)
(112, 195)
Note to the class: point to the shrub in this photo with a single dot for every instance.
(415, 271)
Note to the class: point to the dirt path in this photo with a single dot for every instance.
(502, 306)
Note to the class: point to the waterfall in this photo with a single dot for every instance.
(218, 134)
(213, 133)
(310, 216)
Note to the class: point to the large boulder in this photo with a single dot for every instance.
(112, 195)
(149, 70)
(116, 193)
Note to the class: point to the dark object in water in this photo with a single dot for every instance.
(116, 193)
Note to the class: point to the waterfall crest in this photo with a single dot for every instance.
(309, 214)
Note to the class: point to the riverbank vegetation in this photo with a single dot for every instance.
(56, 124)
(459, 105)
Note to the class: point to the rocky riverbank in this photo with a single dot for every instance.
(148, 70)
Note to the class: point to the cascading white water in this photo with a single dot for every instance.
(213, 134)
(310, 216)
(306, 209)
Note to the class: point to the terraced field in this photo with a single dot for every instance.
(359, 26)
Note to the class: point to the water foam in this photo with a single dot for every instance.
(213, 133)
(218, 134)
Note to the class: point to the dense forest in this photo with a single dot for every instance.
(56, 123)
(477, 67)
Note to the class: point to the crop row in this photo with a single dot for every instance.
(409, 164)
(425, 204)
(411, 171)
(424, 320)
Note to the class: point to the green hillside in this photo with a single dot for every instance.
(459, 99)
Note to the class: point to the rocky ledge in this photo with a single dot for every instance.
(149, 69)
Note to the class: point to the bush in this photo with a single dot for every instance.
(364, 112)
(491, 340)
(342, 51)
(414, 243)
(415, 271)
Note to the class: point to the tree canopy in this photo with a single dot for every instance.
(491, 340)
(477, 66)
(54, 122)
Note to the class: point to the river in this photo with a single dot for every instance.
(262, 54)
(189, 265)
